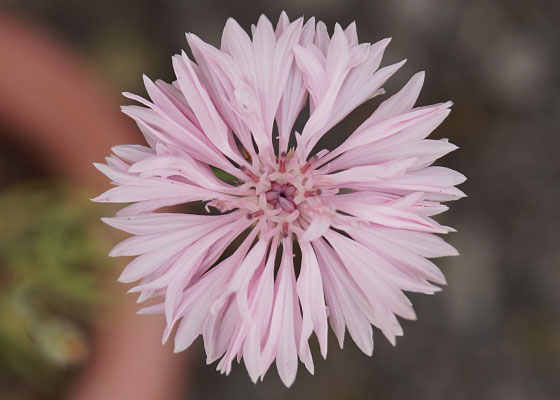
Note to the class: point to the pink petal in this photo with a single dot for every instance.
(199, 100)
(318, 226)
(310, 292)
(281, 341)
(347, 304)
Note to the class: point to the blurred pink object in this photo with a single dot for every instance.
(360, 215)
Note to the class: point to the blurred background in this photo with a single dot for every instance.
(67, 332)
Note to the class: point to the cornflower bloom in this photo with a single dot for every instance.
(291, 235)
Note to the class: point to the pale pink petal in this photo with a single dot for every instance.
(281, 342)
(318, 226)
(201, 103)
(132, 153)
(421, 243)
(310, 293)
(366, 270)
(348, 306)
(294, 96)
(351, 34)
(390, 216)
(239, 281)
(399, 103)
(221, 73)
(180, 165)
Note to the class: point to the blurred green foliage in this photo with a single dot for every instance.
(51, 257)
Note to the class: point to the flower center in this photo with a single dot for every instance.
(281, 196)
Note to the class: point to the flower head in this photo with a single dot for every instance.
(292, 236)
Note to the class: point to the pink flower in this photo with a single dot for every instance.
(290, 239)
